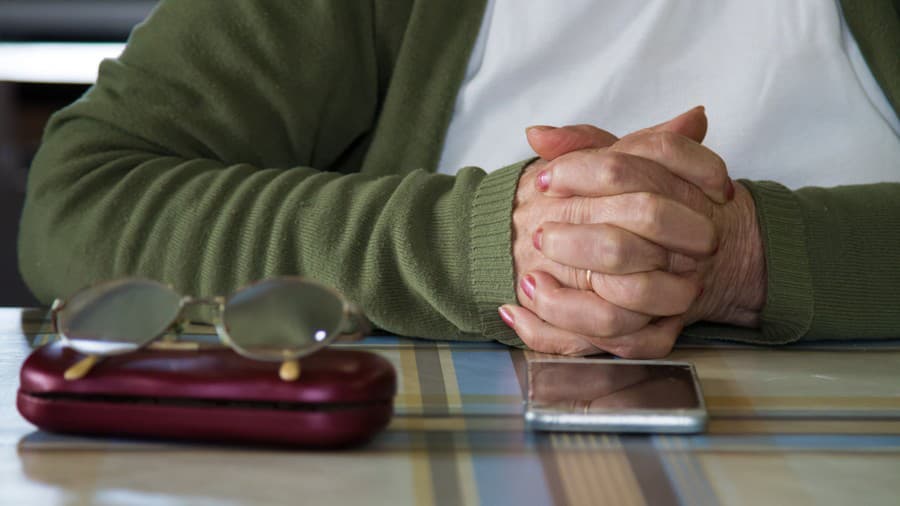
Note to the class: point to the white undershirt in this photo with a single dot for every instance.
(788, 95)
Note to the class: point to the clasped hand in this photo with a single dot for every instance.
(619, 243)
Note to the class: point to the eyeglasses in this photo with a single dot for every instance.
(278, 319)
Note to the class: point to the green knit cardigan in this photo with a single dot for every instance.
(237, 140)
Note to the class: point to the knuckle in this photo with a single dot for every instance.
(715, 175)
(546, 302)
(545, 346)
(558, 166)
(684, 303)
(661, 350)
(677, 263)
(573, 348)
(647, 345)
(556, 343)
(550, 300)
(665, 143)
(695, 198)
(643, 349)
(635, 289)
(613, 254)
(665, 343)
(605, 323)
(571, 165)
(613, 169)
(627, 349)
(709, 240)
(714, 181)
(659, 258)
(570, 247)
(648, 209)
(719, 171)
(631, 141)
(536, 341)
(529, 340)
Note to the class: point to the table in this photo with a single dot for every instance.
(812, 424)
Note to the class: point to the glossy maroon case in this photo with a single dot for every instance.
(342, 397)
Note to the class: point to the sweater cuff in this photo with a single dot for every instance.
(491, 262)
(788, 312)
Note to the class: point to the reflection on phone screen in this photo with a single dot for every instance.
(595, 386)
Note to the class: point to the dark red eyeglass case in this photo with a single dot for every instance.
(342, 398)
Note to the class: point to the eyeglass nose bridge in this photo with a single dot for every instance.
(202, 309)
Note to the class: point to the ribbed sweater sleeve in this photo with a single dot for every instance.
(843, 281)
(832, 261)
(225, 145)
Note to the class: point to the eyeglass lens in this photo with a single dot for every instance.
(117, 317)
(282, 318)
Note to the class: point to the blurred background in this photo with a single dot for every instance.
(49, 53)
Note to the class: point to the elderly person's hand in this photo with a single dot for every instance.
(644, 215)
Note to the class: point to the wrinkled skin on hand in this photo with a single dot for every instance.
(668, 237)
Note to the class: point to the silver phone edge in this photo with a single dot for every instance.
(682, 422)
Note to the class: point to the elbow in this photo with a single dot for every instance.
(38, 266)
(51, 245)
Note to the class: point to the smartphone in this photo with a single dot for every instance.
(585, 395)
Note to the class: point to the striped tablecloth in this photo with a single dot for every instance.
(811, 424)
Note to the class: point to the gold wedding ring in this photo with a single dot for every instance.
(589, 276)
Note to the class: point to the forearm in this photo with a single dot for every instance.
(399, 246)
(831, 261)
(207, 161)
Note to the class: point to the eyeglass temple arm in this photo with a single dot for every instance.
(55, 308)
(80, 369)
(356, 326)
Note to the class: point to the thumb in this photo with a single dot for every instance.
(551, 142)
(691, 124)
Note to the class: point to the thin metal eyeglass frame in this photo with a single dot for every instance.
(351, 327)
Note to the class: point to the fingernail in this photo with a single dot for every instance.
(507, 317)
(536, 238)
(543, 180)
(527, 284)
(540, 128)
(729, 192)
